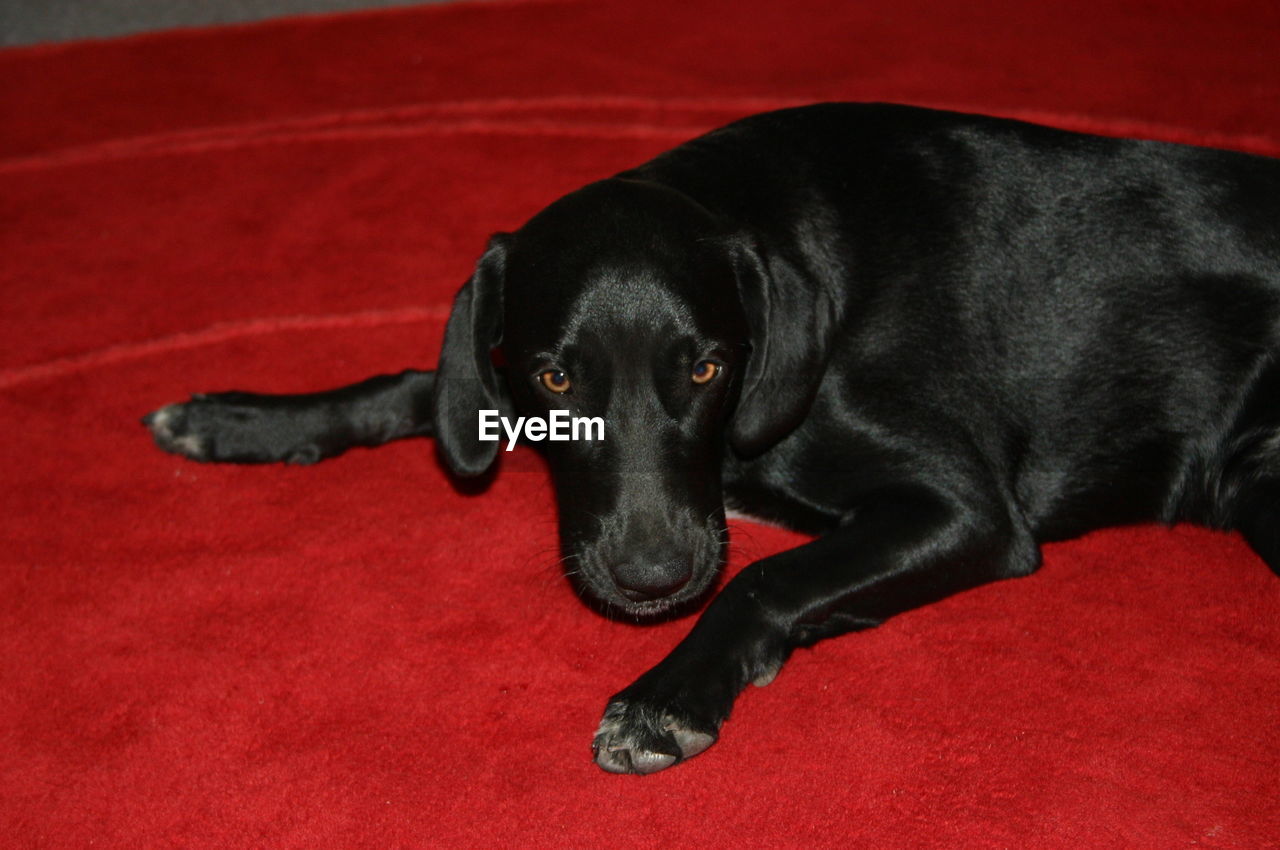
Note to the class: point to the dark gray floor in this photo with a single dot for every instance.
(36, 21)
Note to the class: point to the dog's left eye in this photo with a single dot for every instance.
(704, 371)
(555, 380)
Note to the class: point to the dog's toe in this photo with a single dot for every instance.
(632, 739)
(691, 741)
(172, 430)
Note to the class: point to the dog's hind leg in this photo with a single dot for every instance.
(239, 427)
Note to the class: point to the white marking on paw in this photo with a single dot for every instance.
(190, 445)
(689, 741)
(766, 677)
(608, 726)
(160, 421)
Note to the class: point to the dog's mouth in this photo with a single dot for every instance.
(593, 580)
(660, 610)
(615, 606)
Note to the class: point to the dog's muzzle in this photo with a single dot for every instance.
(650, 572)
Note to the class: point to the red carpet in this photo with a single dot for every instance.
(355, 655)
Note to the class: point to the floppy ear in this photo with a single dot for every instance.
(466, 381)
(791, 319)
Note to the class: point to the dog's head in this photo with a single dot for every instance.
(629, 302)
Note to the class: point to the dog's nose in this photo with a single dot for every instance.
(642, 582)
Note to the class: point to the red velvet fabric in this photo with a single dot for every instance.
(357, 655)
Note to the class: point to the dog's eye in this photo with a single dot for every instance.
(704, 371)
(555, 380)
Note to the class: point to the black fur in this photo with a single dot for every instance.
(943, 339)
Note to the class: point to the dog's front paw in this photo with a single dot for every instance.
(176, 430)
(232, 427)
(637, 738)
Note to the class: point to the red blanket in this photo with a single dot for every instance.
(356, 654)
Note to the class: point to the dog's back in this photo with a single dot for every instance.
(1099, 318)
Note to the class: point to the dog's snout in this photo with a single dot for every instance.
(643, 581)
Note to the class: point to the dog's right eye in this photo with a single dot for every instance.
(555, 380)
(704, 371)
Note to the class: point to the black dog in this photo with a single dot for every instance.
(937, 340)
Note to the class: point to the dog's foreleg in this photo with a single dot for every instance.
(239, 427)
(900, 550)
